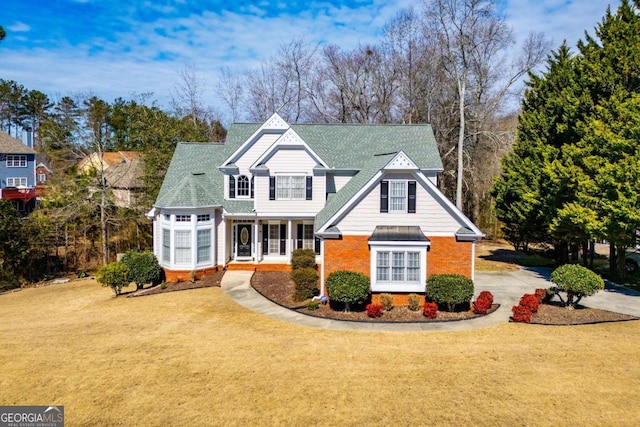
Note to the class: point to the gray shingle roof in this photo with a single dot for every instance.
(11, 145)
(341, 146)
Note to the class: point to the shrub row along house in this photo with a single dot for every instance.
(364, 197)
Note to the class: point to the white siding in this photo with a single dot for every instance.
(254, 152)
(294, 161)
(430, 215)
(336, 182)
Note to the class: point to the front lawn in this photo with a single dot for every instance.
(197, 358)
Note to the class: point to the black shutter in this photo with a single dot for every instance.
(251, 187)
(300, 235)
(283, 239)
(272, 188)
(232, 187)
(265, 239)
(384, 196)
(317, 246)
(309, 187)
(412, 197)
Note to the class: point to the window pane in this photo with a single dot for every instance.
(182, 247)
(397, 199)
(382, 266)
(397, 270)
(204, 245)
(242, 188)
(298, 187)
(283, 187)
(413, 266)
(274, 238)
(166, 245)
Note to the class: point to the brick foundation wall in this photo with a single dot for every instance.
(446, 255)
(399, 298)
(349, 253)
(183, 275)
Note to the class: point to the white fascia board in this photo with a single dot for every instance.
(286, 215)
(275, 122)
(347, 206)
(400, 243)
(152, 213)
(288, 139)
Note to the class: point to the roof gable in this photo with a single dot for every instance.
(275, 124)
(289, 139)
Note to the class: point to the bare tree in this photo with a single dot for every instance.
(230, 89)
(188, 93)
(473, 42)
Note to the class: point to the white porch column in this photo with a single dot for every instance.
(289, 241)
(256, 242)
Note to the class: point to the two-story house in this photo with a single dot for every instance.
(17, 173)
(364, 197)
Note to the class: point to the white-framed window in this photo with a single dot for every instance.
(204, 246)
(397, 196)
(17, 182)
(242, 186)
(308, 241)
(274, 239)
(182, 243)
(166, 245)
(42, 177)
(204, 217)
(398, 268)
(16, 161)
(167, 217)
(290, 187)
(183, 218)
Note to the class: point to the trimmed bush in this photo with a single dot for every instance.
(481, 305)
(303, 262)
(313, 305)
(386, 300)
(348, 287)
(521, 314)
(306, 281)
(577, 281)
(303, 253)
(430, 310)
(143, 267)
(530, 301)
(541, 294)
(450, 289)
(115, 275)
(486, 295)
(374, 310)
(414, 302)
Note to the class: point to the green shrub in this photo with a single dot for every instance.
(450, 289)
(303, 253)
(115, 275)
(414, 302)
(313, 305)
(386, 300)
(303, 262)
(577, 281)
(143, 267)
(306, 281)
(348, 287)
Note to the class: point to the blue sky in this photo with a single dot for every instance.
(117, 48)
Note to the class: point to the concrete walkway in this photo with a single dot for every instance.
(507, 288)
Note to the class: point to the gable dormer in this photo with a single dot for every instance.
(290, 140)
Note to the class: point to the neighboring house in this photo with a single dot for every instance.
(17, 173)
(123, 171)
(43, 170)
(364, 197)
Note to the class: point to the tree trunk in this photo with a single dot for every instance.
(461, 93)
(103, 226)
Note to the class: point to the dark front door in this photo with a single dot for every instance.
(244, 240)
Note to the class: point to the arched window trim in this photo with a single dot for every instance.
(242, 186)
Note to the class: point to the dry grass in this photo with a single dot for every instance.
(197, 358)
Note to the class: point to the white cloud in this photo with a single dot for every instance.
(19, 27)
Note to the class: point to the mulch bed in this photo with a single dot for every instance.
(552, 313)
(278, 287)
(205, 282)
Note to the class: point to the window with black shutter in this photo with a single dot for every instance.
(272, 188)
(300, 234)
(317, 246)
(411, 202)
(283, 239)
(384, 196)
(309, 188)
(232, 187)
(265, 238)
(251, 187)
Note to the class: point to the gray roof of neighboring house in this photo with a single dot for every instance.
(127, 174)
(11, 145)
(366, 148)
